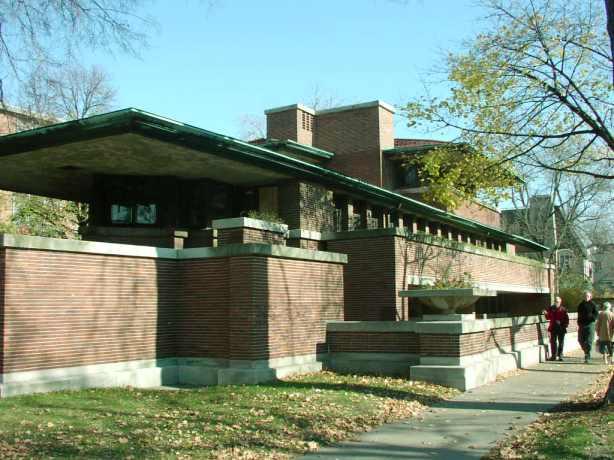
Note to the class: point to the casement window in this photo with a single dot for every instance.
(140, 214)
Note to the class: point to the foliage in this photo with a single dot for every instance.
(455, 173)
(41, 216)
(277, 420)
(449, 281)
(572, 287)
(537, 79)
(580, 428)
(268, 216)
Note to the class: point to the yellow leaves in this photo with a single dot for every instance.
(273, 421)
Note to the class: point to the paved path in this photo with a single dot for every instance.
(468, 426)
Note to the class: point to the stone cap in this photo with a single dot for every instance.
(248, 222)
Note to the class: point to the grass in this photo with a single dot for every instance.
(277, 420)
(582, 428)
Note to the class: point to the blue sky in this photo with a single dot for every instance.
(210, 63)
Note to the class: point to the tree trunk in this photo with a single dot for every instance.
(609, 9)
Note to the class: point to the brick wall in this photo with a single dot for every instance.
(66, 309)
(373, 342)
(306, 206)
(439, 345)
(380, 266)
(369, 278)
(282, 125)
(248, 235)
(294, 123)
(354, 136)
(279, 306)
(2, 307)
(421, 259)
(480, 213)
(205, 298)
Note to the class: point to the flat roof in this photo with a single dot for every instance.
(83, 141)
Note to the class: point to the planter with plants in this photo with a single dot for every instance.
(449, 295)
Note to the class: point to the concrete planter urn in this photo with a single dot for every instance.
(448, 300)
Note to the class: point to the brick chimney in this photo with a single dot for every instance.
(294, 122)
(357, 134)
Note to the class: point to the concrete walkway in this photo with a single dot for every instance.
(469, 426)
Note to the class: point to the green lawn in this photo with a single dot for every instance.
(582, 428)
(277, 420)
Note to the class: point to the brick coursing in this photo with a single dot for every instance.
(381, 266)
(373, 342)
(282, 125)
(306, 206)
(354, 136)
(73, 309)
(477, 212)
(369, 278)
(2, 277)
(439, 345)
(203, 319)
(69, 309)
(248, 235)
(285, 314)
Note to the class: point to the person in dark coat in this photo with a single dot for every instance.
(557, 328)
(587, 315)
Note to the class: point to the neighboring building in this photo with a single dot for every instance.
(198, 293)
(603, 267)
(543, 222)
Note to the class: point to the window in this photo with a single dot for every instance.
(121, 214)
(141, 214)
(146, 214)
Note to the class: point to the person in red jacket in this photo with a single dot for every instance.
(557, 327)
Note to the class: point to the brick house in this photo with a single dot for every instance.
(172, 283)
(547, 223)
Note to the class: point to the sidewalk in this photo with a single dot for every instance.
(468, 426)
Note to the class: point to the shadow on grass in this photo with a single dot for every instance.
(381, 391)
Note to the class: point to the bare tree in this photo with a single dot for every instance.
(253, 127)
(559, 210)
(66, 93)
(49, 96)
(35, 33)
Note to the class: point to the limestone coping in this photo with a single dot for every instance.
(371, 326)
(448, 292)
(467, 325)
(432, 240)
(487, 285)
(129, 250)
(248, 222)
(299, 233)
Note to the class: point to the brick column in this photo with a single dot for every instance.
(243, 230)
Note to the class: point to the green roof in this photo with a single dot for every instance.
(167, 130)
(302, 149)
